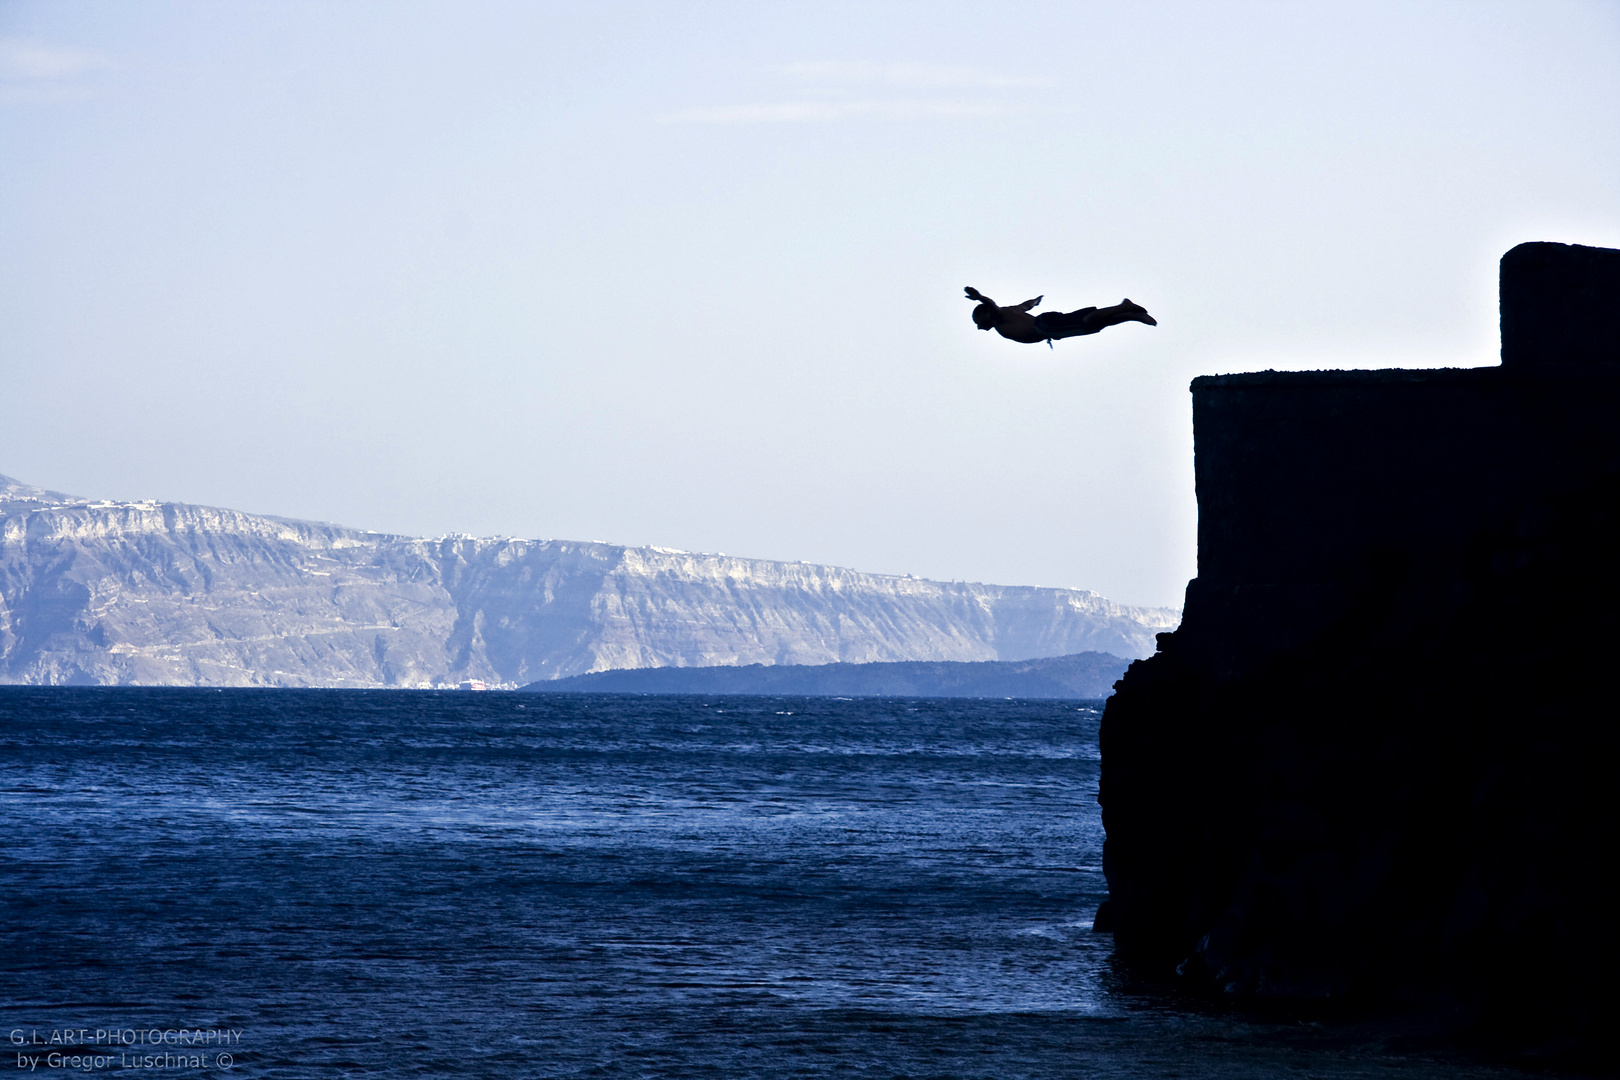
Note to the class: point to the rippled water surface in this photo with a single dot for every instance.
(436, 884)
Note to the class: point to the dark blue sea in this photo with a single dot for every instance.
(336, 883)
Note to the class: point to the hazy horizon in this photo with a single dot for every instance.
(692, 277)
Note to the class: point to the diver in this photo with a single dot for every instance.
(1017, 324)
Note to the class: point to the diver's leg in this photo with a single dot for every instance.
(1125, 311)
(1055, 324)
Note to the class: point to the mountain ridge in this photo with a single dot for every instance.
(165, 593)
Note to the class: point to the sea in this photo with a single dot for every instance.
(332, 883)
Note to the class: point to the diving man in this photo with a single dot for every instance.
(1017, 324)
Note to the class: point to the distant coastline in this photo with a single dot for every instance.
(171, 594)
(1078, 676)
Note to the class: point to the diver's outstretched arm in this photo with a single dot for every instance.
(1027, 304)
(975, 294)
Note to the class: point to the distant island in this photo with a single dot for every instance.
(1088, 675)
(172, 594)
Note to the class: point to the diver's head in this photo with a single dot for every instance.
(984, 316)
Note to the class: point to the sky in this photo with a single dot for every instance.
(691, 274)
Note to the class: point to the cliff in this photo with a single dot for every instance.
(172, 594)
(1088, 675)
(1371, 765)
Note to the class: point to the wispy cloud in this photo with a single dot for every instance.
(841, 90)
(904, 74)
(813, 111)
(31, 71)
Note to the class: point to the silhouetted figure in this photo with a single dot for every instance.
(1017, 324)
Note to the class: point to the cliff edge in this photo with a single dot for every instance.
(1367, 767)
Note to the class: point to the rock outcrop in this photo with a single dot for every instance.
(1369, 766)
(173, 594)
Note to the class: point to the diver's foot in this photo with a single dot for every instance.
(1138, 313)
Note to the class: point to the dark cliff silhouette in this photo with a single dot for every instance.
(1372, 765)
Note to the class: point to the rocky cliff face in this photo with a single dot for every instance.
(172, 594)
(1368, 766)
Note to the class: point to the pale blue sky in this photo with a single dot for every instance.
(691, 274)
